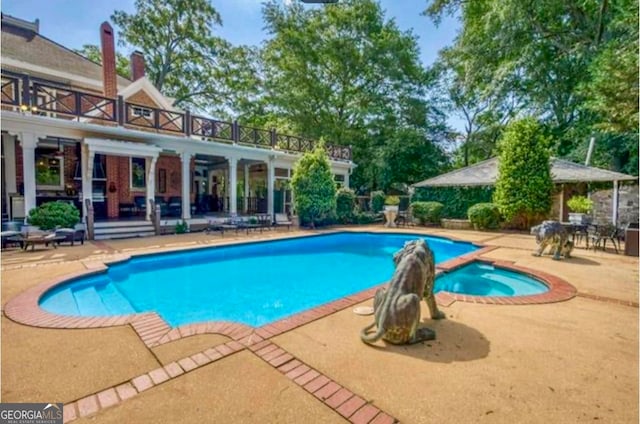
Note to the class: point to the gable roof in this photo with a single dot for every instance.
(145, 85)
(485, 173)
(26, 50)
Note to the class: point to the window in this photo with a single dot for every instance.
(339, 179)
(49, 168)
(138, 174)
(141, 111)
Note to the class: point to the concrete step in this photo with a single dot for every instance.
(123, 235)
(117, 230)
(121, 224)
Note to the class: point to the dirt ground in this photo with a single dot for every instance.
(573, 361)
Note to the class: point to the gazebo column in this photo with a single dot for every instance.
(185, 158)
(616, 194)
(346, 179)
(29, 141)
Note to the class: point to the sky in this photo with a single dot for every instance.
(74, 23)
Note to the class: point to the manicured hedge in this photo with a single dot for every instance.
(427, 212)
(484, 216)
(50, 215)
(345, 205)
(456, 200)
(377, 201)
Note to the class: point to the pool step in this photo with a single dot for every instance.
(63, 301)
(89, 302)
(115, 302)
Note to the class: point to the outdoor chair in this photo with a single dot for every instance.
(164, 207)
(10, 238)
(71, 235)
(281, 220)
(175, 206)
(264, 220)
(140, 203)
(599, 234)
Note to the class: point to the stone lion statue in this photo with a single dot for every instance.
(397, 308)
(554, 235)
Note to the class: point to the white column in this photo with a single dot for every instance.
(245, 204)
(185, 158)
(346, 179)
(233, 185)
(271, 172)
(29, 141)
(561, 217)
(86, 166)
(9, 142)
(150, 164)
(614, 214)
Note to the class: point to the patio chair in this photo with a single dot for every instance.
(175, 206)
(599, 234)
(140, 203)
(10, 238)
(71, 235)
(164, 207)
(264, 220)
(281, 220)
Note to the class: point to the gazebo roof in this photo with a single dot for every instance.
(485, 173)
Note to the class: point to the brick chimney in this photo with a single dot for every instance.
(137, 65)
(109, 80)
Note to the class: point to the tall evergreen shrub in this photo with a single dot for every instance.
(524, 185)
(314, 189)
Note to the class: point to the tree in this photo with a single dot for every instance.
(179, 47)
(314, 190)
(346, 73)
(572, 65)
(93, 53)
(524, 186)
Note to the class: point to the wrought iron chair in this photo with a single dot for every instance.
(599, 234)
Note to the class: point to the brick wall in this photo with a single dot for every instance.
(628, 204)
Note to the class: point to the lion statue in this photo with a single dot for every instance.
(397, 309)
(554, 235)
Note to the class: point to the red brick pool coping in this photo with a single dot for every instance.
(154, 331)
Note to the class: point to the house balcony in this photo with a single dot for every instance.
(22, 93)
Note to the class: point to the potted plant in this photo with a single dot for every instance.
(580, 207)
(391, 203)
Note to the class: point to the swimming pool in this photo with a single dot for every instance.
(253, 284)
(481, 279)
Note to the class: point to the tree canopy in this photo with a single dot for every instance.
(573, 65)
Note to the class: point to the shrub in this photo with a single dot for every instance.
(580, 204)
(456, 200)
(54, 214)
(484, 216)
(524, 184)
(392, 201)
(377, 201)
(366, 218)
(345, 205)
(427, 212)
(182, 227)
(313, 187)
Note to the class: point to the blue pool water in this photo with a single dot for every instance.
(481, 279)
(253, 284)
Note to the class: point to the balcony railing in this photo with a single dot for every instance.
(47, 98)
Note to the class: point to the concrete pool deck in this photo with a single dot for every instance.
(571, 361)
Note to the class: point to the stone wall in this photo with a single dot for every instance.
(628, 204)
